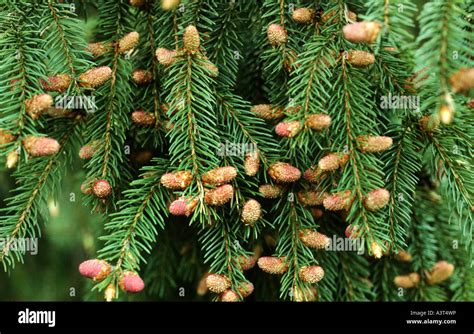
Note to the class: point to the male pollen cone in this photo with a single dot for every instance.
(376, 199)
(183, 206)
(191, 39)
(143, 118)
(219, 176)
(311, 198)
(338, 201)
(95, 77)
(38, 104)
(179, 180)
(128, 42)
(330, 162)
(142, 77)
(403, 256)
(165, 56)
(462, 80)
(283, 172)
(6, 137)
(229, 296)
(270, 190)
(373, 144)
(276, 34)
(217, 283)
(102, 189)
(440, 272)
(87, 151)
(303, 15)
(360, 58)
(313, 239)
(273, 265)
(41, 146)
(288, 129)
(219, 196)
(95, 269)
(246, 289)
(311, 274)
(252, 163)
(98, 49)
(318, 122)
(251, 212)
(313, 174)
(246, 262)
(131, 282)
(58, 83)
(308, 294)
(407, 281)
(429, 123)
(267, 111)
(362, 32)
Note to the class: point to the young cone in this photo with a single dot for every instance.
(128, 42)
(86, 152)
(41, 146)
(143, 118)
(229, 296)
(102, 189)
(440, 272)
(273, 265)
(330, 162)
(407, 281)
(95, 269)
(462, 80)
(246, 262)
(338, 201)
(99, 48)
(220, 195)
(219, 176)
(179, 180)
(131, 282)
(12, 159)
(376, 199)
(276, 34)
(38, 104)
(311, 198)
(165, 57)
(58, 83)
(308, 294)
(288, 129)
(252, 163)
(303, 15)
(403, 256)
(95, 77)
(373, 144)
(360, 58)
(270, 190)
(183, 206)
(251, 212)
(267, 111)
(217, 283)
(169, 4)
(246, 289)
(6, 137)
(318, 122)
(191, 39)
(314, 175)
(142, 77)
(313, 239)
(429, 123)
(283, 172)
(362, 32)
(110, 292)
(311, 274)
